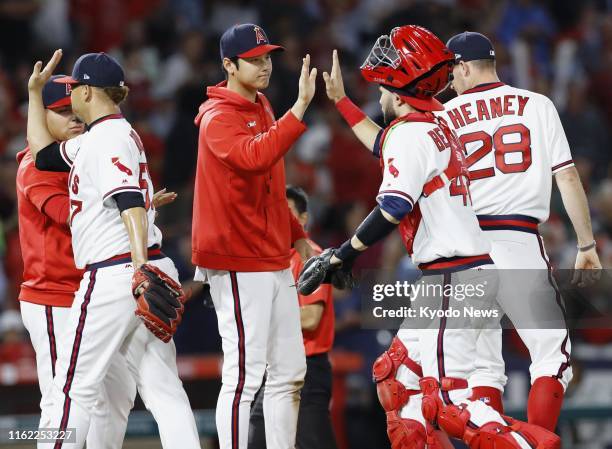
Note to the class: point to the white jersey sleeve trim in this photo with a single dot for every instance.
(562, 166)
(397, 193)
(64, 154)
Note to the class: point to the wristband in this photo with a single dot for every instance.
(588, 247)
(346, 252)
(350, 111)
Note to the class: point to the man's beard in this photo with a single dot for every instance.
(388, 114)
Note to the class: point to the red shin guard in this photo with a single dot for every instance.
(405, 433)
(544, 403)
(490, 396)
(455, 422)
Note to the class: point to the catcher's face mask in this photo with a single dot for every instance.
(383, 64)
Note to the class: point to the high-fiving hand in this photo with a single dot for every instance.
(39, 77)
(334, 86)
(306, 88)
(307, 83)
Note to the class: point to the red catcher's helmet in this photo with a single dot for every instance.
(412, 62)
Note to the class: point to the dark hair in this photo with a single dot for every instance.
(234, 60)
(116, 94)
(299, 197)
(483, 64)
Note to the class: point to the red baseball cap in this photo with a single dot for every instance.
(56, 95)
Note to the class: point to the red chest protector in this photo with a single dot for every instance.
(456, 170)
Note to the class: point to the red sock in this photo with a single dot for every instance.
(490, 396)
(544, 403)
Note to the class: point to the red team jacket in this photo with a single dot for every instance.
(241, 220)
(321, 339)
(49, 277)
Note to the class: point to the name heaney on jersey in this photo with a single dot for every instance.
(487, 109)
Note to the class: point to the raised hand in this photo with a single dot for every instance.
(334, 86)
(39, 77)
(307, 83)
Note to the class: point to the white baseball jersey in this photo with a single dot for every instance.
(413, 153)
(515, 142)
(108, 159)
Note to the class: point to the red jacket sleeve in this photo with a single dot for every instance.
(231, 141)
(297, 231)
(41, 187)
(57, 209)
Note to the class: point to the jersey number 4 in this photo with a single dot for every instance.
(501, 148)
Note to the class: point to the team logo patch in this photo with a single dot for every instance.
(68, 88)
(117, 163)
(392, 169)
(260, 36)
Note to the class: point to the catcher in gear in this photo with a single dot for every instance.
(160, 301)
(421, 379)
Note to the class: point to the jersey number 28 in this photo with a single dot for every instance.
(501, 149)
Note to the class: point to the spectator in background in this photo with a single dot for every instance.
(586, 132)
(227, 13)
(182, 66)
(13, 348)
(182, 141)
(16, 26)
(51, 24)
(526, 28)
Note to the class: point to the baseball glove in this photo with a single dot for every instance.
(159, 301)
(319, 270)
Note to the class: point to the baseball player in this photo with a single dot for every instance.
(110, 211)
(515, 145)
(314, 427)
(49, 285)
(422, 380)
(241, 237)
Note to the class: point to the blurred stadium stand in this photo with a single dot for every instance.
(169, 48)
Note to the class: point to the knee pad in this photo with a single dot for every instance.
(390, 360)
(405, 433)
(392, 394)
(432, 405)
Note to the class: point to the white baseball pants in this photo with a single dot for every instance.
(259, 324)
(101, 325)
(530, 289)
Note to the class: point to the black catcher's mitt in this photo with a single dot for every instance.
(318, 270)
